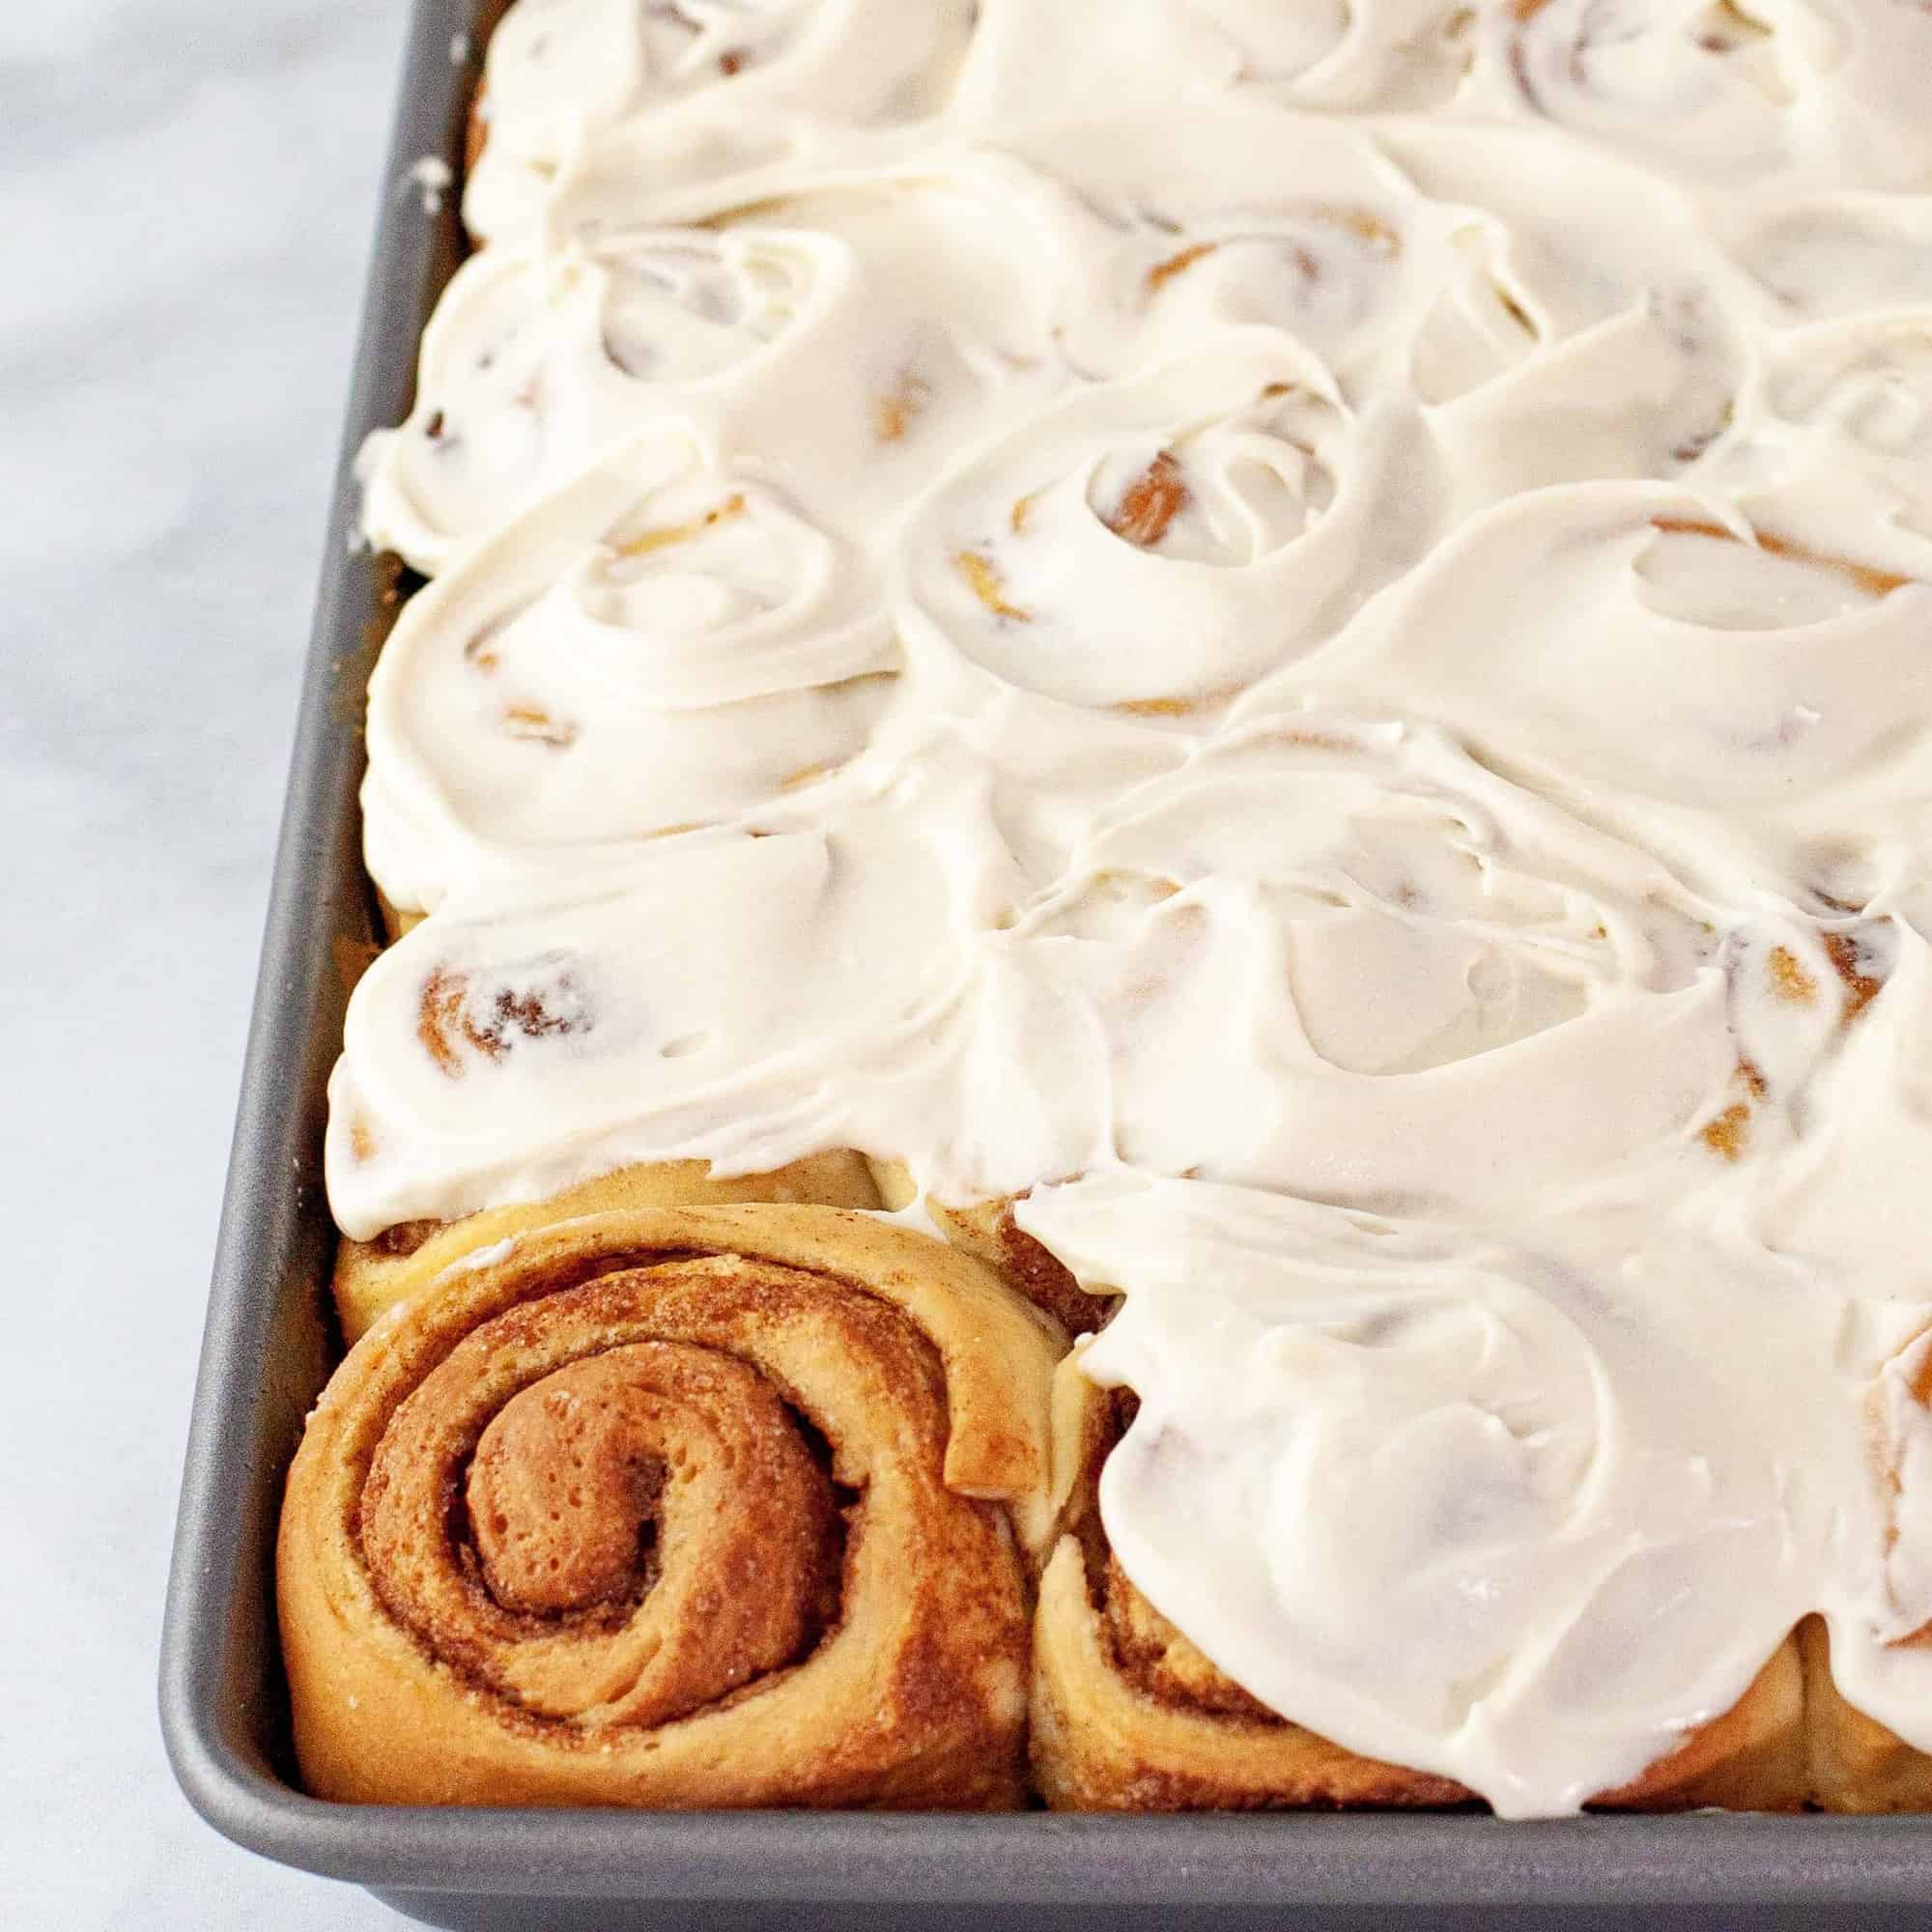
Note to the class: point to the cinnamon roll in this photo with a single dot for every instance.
(534, 365)
(1182, 504)
(1715, 687)
(693, 1507)
(1130, 1715)
(1489, 1510)
(1720, 91)
(665, 642)
(700, 87)
(1127, 1715)
(838, 334)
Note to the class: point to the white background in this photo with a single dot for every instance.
(188, 192)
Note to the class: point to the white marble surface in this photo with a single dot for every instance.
(187, 191)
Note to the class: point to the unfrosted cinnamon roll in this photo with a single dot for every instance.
(697, 1507)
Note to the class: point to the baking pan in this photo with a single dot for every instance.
(270, 1345)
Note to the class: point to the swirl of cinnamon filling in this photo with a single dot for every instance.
(710, 1507)
(1156, 544)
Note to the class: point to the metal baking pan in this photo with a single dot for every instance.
(269, 1348)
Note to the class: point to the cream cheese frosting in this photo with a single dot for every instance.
(1299, 635)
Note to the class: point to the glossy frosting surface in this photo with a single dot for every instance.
(1305, 631)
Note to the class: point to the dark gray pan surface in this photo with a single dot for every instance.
(269, 1349)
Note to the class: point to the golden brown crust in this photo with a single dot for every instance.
(396, 922)
(987, 1231)
(489, 16)
(476, 130)
(372, 1276)
(681, 1507)
(1750, 1758)
(1854, 1763)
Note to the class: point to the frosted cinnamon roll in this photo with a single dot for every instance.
(838, 339)
(1028, 61)
(533, 365)
(1479, 1461)
(1714, 684)
(668, 641)
(717, 87)
(1717, 92)
(1156, 544)
(1243, 214)
(741, 998)
(1128, 1715)
(693, 1508)
(1582, 328)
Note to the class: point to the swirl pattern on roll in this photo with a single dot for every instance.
(664, 643)
(1279, 655)
(1128, 1714)
(713, 1506)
